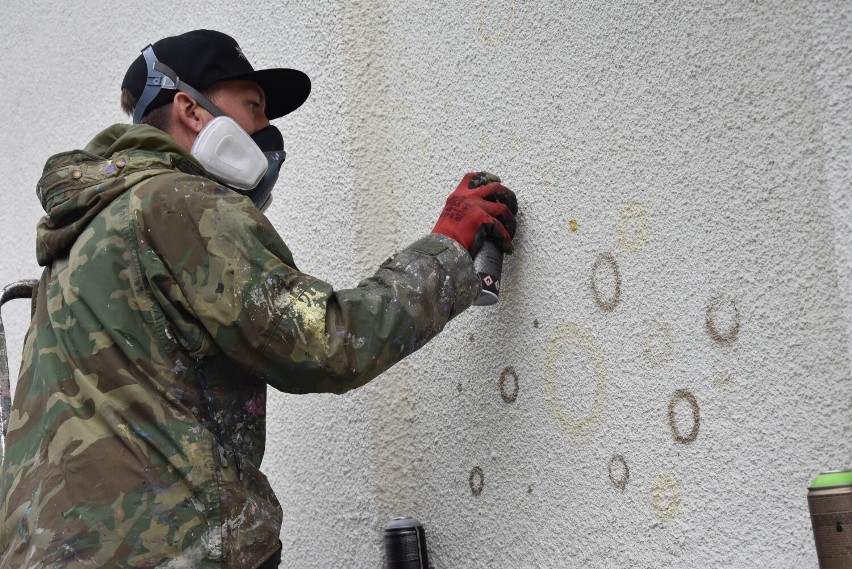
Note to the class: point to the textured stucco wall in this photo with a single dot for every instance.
(670, 361)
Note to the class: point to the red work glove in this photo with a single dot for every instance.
(480, 209)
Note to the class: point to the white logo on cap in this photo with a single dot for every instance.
(240, 52)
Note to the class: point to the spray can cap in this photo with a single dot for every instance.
(832, 478)
(402, 523)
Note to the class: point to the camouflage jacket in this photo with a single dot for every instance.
(167, 305)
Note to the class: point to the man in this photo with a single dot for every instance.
(168, 303)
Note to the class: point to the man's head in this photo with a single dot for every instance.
(210, 62)
(200, 88)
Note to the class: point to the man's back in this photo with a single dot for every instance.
(111, 453)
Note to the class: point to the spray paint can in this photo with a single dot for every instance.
(488, 261)
(489, 264)
(405, 544)
(830, 504)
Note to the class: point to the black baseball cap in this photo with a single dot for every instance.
(203, 57)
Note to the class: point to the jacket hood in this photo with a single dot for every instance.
(75, 186)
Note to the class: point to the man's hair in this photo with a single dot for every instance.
(159, 117)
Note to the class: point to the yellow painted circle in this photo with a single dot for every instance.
(666, 496)
(575, 334)
(495, 37)
(633, 243)
(657, 358)
(723, 381)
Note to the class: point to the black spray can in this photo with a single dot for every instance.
(405, 544)
(488, 261)
(489, 264)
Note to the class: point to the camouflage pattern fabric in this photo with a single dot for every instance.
(168, 303)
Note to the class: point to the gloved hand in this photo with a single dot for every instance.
(480, 208)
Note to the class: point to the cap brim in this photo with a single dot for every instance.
(285, 89)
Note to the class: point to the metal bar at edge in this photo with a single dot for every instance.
(12, 291)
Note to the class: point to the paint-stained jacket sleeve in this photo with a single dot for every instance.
(226, 282)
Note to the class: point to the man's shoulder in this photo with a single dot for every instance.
(182, 190)
(177, 203)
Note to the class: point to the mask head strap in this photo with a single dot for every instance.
(161, 76)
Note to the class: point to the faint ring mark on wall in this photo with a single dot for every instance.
(631, 242)
(606, 303)
(689, 398)
(574, 334)
(619, 473)
(722, 320)
(476, 480)
(666, 496)
(487, 32)
(723, 382)
(509, 395)
(657, 344)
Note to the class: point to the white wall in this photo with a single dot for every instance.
(700, 152)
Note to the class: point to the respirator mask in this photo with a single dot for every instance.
(247, 163)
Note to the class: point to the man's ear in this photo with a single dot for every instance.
(188, 114)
